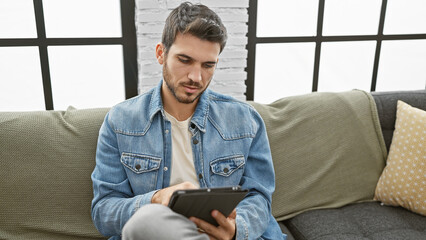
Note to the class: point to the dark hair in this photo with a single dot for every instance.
(197, 20)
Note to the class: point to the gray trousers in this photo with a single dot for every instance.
(155, 221)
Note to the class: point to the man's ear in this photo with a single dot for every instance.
(159, 53)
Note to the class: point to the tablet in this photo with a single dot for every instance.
(201, 202)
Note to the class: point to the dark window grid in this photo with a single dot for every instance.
(128, 41)
(318, 39)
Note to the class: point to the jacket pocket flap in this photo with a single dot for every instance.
(227, 165)
(140, 163)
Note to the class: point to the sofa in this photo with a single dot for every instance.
(329, 151)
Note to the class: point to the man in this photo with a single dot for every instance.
(180, 135)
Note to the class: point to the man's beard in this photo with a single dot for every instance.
(188, 100)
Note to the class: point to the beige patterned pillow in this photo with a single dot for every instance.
(403, 181)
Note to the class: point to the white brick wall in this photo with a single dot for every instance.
(230, 75)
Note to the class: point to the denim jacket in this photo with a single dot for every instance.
(230, 147)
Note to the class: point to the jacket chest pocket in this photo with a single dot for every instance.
(142, 171)
(227, 171)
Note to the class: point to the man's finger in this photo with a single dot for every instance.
(220, 218)
(225, 230)
(233, 214)
(226, 224)
(205, 226)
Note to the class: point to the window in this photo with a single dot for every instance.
(57, 53)
(297, 47)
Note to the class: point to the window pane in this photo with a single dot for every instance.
(17, 19)
(21, 84)
(402, 65)
(405, 17)
(82, 18)
(86, 76)
(343, 17)
(283, 69)
(281, 18)
(346, 65)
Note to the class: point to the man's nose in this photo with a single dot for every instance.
(195, 74)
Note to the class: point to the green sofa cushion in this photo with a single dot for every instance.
(46, 159)
(327, 148)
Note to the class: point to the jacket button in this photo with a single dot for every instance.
(195, 141)
(200, 176)
(138, 167)
(225, 170)
(192, 125)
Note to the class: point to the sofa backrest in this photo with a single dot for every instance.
(327, 148)
(386, 108)
(46, 159)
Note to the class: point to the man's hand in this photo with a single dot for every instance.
(163, 196)
(226, 229)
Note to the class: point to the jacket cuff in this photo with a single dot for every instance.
(144, 199)
(242, 229)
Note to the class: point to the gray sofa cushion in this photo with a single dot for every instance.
(386, 108)
(369, 221)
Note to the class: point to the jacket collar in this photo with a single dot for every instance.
(201, 111)
(156, 103)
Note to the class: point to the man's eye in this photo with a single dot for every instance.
(183, 60)
(209, 65)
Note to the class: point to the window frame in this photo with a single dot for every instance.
(253, 40)
(128, 41)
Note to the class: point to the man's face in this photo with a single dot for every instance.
(188, 67)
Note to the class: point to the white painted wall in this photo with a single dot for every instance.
(230, 75)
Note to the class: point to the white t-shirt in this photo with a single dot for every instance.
(183, 168)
